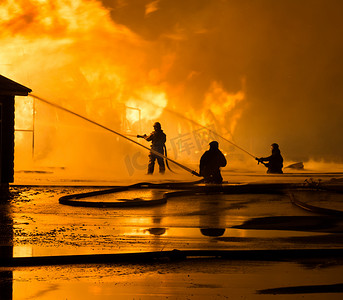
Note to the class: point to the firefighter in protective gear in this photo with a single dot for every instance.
(158, 139)
(210, 164)
(274, 161)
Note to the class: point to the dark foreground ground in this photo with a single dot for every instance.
(34, 224)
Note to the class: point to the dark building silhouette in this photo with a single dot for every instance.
(8, 90)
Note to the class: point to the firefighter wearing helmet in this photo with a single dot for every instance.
(274, 162)
(158, 139)
(211, 162)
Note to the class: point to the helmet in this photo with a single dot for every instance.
(214, 144)
(275, 146)
(157, 125)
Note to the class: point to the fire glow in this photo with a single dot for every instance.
(74, 54)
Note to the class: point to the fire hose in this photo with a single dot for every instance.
(117, 133)
(153, 151)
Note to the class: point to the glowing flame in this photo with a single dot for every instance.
(224, 105)
(72, 53)
(151, 104)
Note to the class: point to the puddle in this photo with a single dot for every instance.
(191, 279)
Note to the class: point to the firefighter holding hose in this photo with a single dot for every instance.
(274, 162)
(158, 139)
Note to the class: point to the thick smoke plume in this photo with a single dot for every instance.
(289, 53)
(256, 72)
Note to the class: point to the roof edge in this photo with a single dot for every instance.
(10, 87)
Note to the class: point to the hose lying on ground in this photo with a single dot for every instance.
(174, 255)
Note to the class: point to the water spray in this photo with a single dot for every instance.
(115, 132)
(202, 126)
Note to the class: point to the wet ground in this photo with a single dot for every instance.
(35, 224)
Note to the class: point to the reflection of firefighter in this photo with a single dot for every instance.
(158, 140)
(210, 164)
(274, 161)
(212, 222)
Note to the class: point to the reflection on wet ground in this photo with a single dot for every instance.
(35, 224)
(185, 222)
(191, 279)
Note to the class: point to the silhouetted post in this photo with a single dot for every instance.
(6, 250)
(8, 90)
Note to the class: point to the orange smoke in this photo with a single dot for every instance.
(224, 105)
(72, 53)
